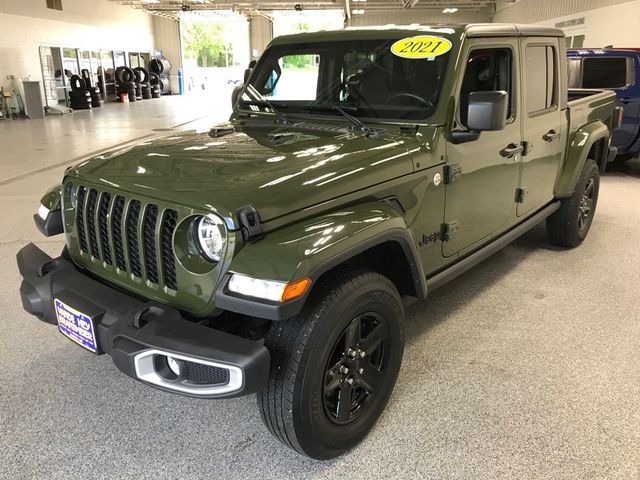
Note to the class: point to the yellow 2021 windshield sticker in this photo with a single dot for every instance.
(421, 47)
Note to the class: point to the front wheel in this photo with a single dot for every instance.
(334, 365)
(568, 226)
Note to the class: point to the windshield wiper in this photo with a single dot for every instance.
(280, 117)
(357, 123)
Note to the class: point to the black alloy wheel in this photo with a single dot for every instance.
(355, 368)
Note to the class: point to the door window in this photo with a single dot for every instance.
(488, 69)
(540, 77)
(606, 72)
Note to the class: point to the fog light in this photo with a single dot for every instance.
(174, 366)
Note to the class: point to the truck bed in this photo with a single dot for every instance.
(582, 96)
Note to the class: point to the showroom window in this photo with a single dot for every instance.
(54, 4)
(606, 72)
(488, 69)
(540, 79)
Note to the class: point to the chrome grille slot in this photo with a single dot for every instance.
(133, 236)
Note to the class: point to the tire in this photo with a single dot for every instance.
(77, 83)
(154, 79)
(300, 405)
(142, 75)
(124, 75)
(569, 225)
(79, 95)
(159, 65)
(96, 101)
(86, 76)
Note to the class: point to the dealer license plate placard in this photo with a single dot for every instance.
(76, 325)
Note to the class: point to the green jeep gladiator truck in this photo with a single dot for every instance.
(275, 254)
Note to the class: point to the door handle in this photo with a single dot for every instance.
(625, 100)
(550, 136)
(511, 150)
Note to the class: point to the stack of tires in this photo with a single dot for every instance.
(81, 97)
(154, 82)
(142, 82)
(161, 67)
(126, 84)
(96, 98)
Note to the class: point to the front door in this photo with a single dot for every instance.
(482, 175)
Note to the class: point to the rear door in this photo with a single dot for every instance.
(482, 178)
(616, 71)
(543, 122)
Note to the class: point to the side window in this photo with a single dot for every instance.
(540, 87)
(487, 69)
(605, 72)
(294, 77)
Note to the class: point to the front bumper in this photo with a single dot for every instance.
(139, 335)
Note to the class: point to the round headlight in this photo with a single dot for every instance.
(73, 196)
(210, 237)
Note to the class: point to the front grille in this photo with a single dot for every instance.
(202, 374)
(116, 230)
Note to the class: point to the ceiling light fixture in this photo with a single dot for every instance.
(358, 11)
(450, 10)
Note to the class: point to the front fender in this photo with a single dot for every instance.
(313, 247)
(576, 156)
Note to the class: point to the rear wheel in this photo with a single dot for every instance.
(569, 225)
(333, 366)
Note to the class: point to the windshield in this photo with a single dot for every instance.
(394, 78)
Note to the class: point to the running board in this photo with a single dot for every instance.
(485, 252)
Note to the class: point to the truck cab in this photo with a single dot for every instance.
(616, 69)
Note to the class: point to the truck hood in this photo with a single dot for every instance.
(278, 171)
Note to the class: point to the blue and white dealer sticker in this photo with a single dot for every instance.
(75, 325)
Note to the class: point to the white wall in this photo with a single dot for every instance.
(167, 38)
(616, 25)
(90, 25)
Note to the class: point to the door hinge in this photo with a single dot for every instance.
(521, 194)
(451, 172)
(448, 229)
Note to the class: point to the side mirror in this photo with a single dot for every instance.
(487, 111)
(234, 94)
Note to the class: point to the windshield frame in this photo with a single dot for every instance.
(436, 116)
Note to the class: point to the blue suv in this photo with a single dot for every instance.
(616, 69)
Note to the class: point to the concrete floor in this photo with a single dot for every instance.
(525, 367)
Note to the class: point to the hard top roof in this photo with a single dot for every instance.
(470, 30)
